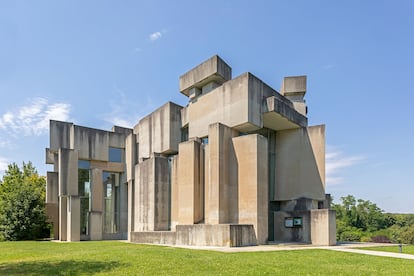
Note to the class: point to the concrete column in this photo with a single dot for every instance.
(131, 209)
(221, 188)
(174, 192)
(190, 186)
(152, 198)
(323, 227)
(252, 159)
(52, 187)
(73, 219)
(130, 156)
(68, 187)
(63, 218)
(52, 201)
(95, 215)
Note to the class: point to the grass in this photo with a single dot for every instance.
(407, 249)
(120, 258)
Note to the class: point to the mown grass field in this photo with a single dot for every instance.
(407, 249)
(120, 258)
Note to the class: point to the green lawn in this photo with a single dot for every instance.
(120, 258)
(407, 249)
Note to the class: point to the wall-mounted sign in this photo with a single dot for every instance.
(297, 221)
(289, 222)
(293, 222)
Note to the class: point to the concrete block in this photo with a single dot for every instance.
(60, 133)
(68, 172)
(190, 183)
(73, 218)
(91, 143)
(212, 70)
(158, 237)
(323, 227)
(95, 226)
(63, 218)
(252, 159)
(52, 213)
(300, 164)
(131, 156)
(160, 131)
(293, 85)
(97, 191)
(52, 187)
(152, 195)
(228, 235)
(222, 173)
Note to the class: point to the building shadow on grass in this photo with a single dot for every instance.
(69, 267)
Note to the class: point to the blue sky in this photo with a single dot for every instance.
(100, 63)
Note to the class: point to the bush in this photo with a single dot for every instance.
(22, 207)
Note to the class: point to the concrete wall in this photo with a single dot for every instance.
(222, 176)
(252, 160)
(190, 183)
(323, 227)
(60, 133)
(293, 234)
(160, 131)
(212, 70)
(152, 203)
(300, 163)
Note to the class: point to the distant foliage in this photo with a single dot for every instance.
(22, 204)
(362, 220)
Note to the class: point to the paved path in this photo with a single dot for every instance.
(374, 253)
(344, 247)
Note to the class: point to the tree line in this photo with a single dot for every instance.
(362, 220)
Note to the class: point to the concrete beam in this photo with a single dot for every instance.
(212, 70)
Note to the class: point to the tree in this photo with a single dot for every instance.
(22, 204)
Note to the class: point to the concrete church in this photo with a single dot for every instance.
(237, 166)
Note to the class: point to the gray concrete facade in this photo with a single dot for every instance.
(237, 166)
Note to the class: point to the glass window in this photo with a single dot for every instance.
(115, 154)
(84, 189)
(111, 201)
(84, 164)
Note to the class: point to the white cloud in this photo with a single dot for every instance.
(33, 118)
(336, 161)
(155, 36)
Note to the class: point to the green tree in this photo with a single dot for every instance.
(22, 204)
(356, 216)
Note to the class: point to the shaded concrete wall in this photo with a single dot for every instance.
(292, 234)
(222, 176)
(300, 163)
(152, 200)
(174, 192)
(252, 160)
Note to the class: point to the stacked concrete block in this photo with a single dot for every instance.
(234, 167)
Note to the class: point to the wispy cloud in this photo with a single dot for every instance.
(155, 36)
(336, 161)
(33, 118)
(122, 111)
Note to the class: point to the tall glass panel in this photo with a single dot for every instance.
(84, 188)
(111, 202)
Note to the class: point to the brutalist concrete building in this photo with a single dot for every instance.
(238, 165)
